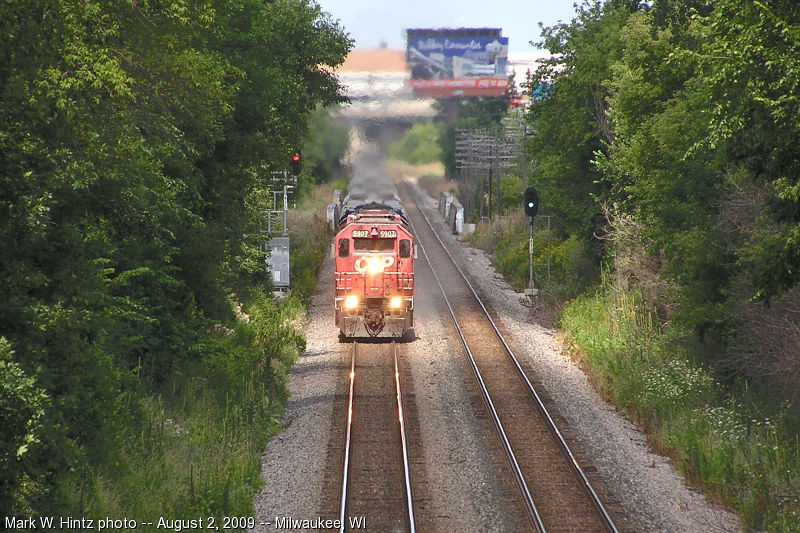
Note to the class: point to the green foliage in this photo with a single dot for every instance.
(418, 145)
(754, 105)
(21, 408)
(194, 445)
(510, 194)
(324, 150)
(134, 142)
(659, 174)
(728, 445)
(571, 123)
(666, 115)
(310, 236)
(507, 239)
(666, 143)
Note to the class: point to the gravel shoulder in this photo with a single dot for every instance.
(464, 466)
(652, 495)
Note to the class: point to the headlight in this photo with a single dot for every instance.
(351, 301)
(375, 265)
(396, 302)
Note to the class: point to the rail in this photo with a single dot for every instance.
(529, 503)
(348, 434)
(408, 494)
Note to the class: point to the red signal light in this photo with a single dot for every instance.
(296, 165)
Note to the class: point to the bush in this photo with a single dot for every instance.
(195, 446)
(310, 235)
(21, 408)
(506, 239)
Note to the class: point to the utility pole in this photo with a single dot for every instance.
(490, 180)
(482, 156)
(524, 159)
(497, 171)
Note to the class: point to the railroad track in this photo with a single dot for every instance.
(555, 490)
(376, 481)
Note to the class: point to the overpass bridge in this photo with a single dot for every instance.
(376, 82)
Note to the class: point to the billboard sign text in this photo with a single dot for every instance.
(445, 63)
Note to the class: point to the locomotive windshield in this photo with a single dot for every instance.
(373, 245)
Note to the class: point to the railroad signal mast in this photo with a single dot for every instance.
(531, 204)
(276, 247)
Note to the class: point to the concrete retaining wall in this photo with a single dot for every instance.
(455, 217)
(445, 199)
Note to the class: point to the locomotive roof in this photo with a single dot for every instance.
(375, 213)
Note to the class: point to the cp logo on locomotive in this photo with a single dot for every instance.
(373, 263)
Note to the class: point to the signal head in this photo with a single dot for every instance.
(531, 202)
(297, 164)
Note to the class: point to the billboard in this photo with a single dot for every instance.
(449, 63)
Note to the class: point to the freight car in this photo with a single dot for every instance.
(374, 280)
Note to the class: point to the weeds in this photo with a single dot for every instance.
(506, 239)
(723, 442)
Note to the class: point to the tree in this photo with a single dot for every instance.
(753, 51)
(418, 145)
(325, 147)
(133, 136)
(21, 409)
(570, 122)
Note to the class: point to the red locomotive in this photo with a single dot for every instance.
(374, 254)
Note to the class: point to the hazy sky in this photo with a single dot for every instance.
(371, 21)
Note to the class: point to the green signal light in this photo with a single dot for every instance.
(531, 202)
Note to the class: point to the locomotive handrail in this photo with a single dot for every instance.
(387, 272)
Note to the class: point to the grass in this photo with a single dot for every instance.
(720, 438)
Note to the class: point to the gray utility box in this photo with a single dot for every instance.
(278, 261)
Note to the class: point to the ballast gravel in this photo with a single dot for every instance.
(293, 465)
